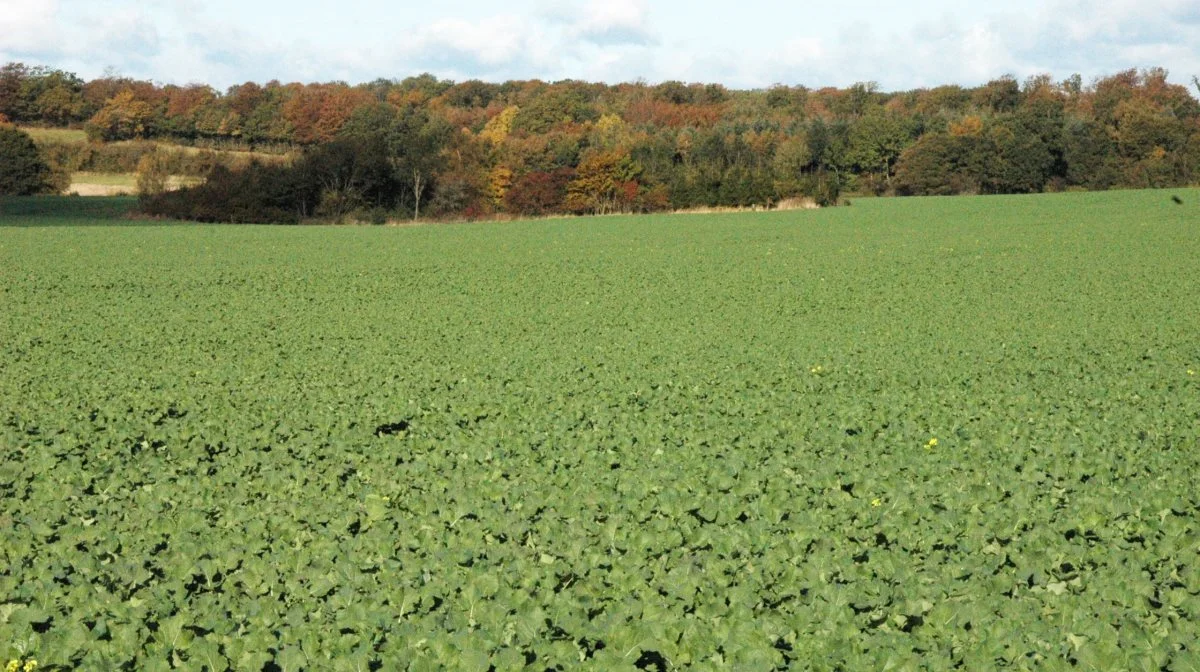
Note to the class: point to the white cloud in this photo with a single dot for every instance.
(602, 22)
(28, 25)
(615, 40)
(615, 22)
(1065, 37)
(492, 42)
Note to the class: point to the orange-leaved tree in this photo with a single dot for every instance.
(605, 182)
(123, 117)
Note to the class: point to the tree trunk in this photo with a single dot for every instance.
(418, 184)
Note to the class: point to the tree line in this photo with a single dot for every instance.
(425, 146)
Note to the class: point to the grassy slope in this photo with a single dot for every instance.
(591, 391)
(63, 135)
(106, 179)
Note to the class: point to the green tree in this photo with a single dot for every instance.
(1090, 155)
(1014, 161)
(876, 141)
(415, 142)
(858, 100)
(560, 103)
(55, 97)
(12, 77)
(999, 95)
(827, 146)
(783, 97)
(22, 170)
(937, 165)
(791, 162)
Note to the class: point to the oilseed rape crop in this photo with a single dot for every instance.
(908, 434)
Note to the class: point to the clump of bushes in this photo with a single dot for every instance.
(256, 194)
(335, 181)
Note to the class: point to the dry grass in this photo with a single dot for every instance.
(119, 184)
(86, 189)
(785, 204)
(106, 179)
(235, 157)
(59, 135)
(797, 204)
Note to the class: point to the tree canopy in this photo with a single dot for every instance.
(475, 149)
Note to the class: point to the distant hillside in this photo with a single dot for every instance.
(532, 147)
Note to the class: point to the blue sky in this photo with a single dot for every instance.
(741, 43)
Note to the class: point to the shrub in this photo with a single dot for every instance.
(23, 171)
(152, 174)
(259, 194)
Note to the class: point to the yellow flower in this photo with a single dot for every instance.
(932, 444)
(1191, 372)
(13, 666)
(877, 502)
(30, 666)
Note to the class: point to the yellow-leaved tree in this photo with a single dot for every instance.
(497, 128)
(498, 183)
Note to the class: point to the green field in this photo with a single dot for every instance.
(908, 434)
(65, 211)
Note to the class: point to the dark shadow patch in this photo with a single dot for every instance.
(651, 660)
(392, 428)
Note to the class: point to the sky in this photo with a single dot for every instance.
(740, 43)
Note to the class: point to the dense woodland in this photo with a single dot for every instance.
(430, 147)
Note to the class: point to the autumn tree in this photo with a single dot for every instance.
(498, 127)
(153, 174)
(499, 181)
(605, 182)
(123, 117)
(317, 113)
(539, 193)
(473, 148)
(462, 185)
(184, 105)
(856, 101)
